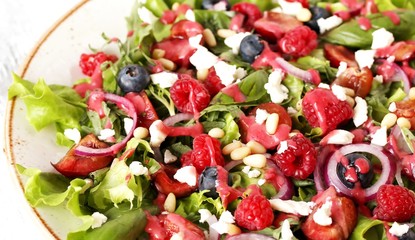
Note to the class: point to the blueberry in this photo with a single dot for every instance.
(410, 235)
(317, 13)
(133, 78)
(250, 48)
(207, 181)
(216, 4)
(359, 164)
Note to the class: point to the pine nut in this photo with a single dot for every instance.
(170, 203)
(202, 74)
(167, 64)
(256, 147)
(349, 92)
(240, 153)
(224, 33)
(403, 122)
(272, 123)
(233, 229)
(230, 147)
(175, 6)
(255, 160)
(140, 133)
(389, 120)
(209, 37)
(158, 53)
(303, 15)
(350, 101)
(216, 133)
(411, 93)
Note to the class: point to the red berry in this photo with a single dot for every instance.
(213, 83)
(394, 204)
(299, 159)
(254, 212)
(206, 152)
(323, 109)
(298, 42)
(89, 62)
(189, 96)
(251, 12)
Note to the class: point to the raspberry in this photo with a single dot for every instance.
(89, 62)
(394, 204)
(189, 95)
(298, 42)
(254, 212)
(206, 152)
(299, 159)
(213, 83)
(251, 14)
(323, 109)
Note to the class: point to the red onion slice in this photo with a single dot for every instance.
(250, 236)
(400, 75)
(322, 157)
(125, 105)
(307, 76)
(172, 120)
(386, 176)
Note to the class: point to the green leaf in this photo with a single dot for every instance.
(368, 228)
(319, 63)
(158, 7)
(188, 207)
(212, 20)
(295, 89)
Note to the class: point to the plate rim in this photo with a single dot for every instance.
(11, 104)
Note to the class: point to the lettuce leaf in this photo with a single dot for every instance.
(367, 228)
(188, 207)
(48, 105)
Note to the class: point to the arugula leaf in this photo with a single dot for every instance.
(318, 62)
(351, 35)
(295, 89)
(188, 207)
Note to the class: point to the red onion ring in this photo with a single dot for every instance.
(172, 120)
(128, 107)
(400, 75)
(386, 176)
(249, 236)
(323, 155)
(306, 76)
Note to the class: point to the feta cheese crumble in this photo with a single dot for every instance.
(398, 229)
(186, 174)
(169, 157)
(235, 40)
(360, 112)
(290, 206)
(73, 134)
(225, 72)
(190, 15)
(392, 107)
(275, 89)
(194, 41)
(106, 133)
(156, 135)
(322, 215)
(382, 38)
(254, 173)
(222, 226)
(340, 136)
(286, 233)
(339, 92)
(261, 181)
(283, 146)
(380, 137)
(203, 59)
(289, 8)
(365, 58)
(342, 67)
(326, 24)
(128, 124)
(246, 169)
(138, 169)
(261, 116)
(146, 15)
(227, 217)
(98, 220)
(164, 79)
(204, 215)
(324, 85)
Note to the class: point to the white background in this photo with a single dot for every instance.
(22, 24)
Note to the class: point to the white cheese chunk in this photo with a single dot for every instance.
(378, 78)
(137, 168)
(146, 15)
(169, 157)
(227, 217)
(156, 135)
(98, 220)
(360, 112)
(283, 146)
(275, 89)
(392, 107)
(289, 8)
(380, 137)
(190, 15)
(398, 229)
(324, 85)
(365, 58)
(290, 206)
(225, 72)
(164, 79)
(323, 215)
(177, 236)
(235, 40)
(382, 38)
(261, 181)
(73, 134)
(261, 115)
(286, 233)
(128, 125)
(340, 136)
(204, 215)
(194, 41)
(106, 133)
(339, 92)
(254, 173)
(203, 59)
(342, 67)
(326, 24)
(220, 6)
(220, 227)
(186, 174)
(246, 169)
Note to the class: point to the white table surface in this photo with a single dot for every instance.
(22, 24)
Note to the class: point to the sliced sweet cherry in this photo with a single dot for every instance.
(360, 80)
(72, 165)
(186, 29)
(251, 13)
(402, 51)
(168, 17)
(145, 110)
(272, 26)
(406, 109)
(163, 179)
(337, 53)
(176, 50)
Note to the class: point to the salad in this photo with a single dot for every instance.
(235, 120)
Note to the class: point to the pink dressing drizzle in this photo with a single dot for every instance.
(364, 23)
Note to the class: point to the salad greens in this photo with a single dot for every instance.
(128, 192)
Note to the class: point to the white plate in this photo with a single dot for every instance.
(55, 58)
